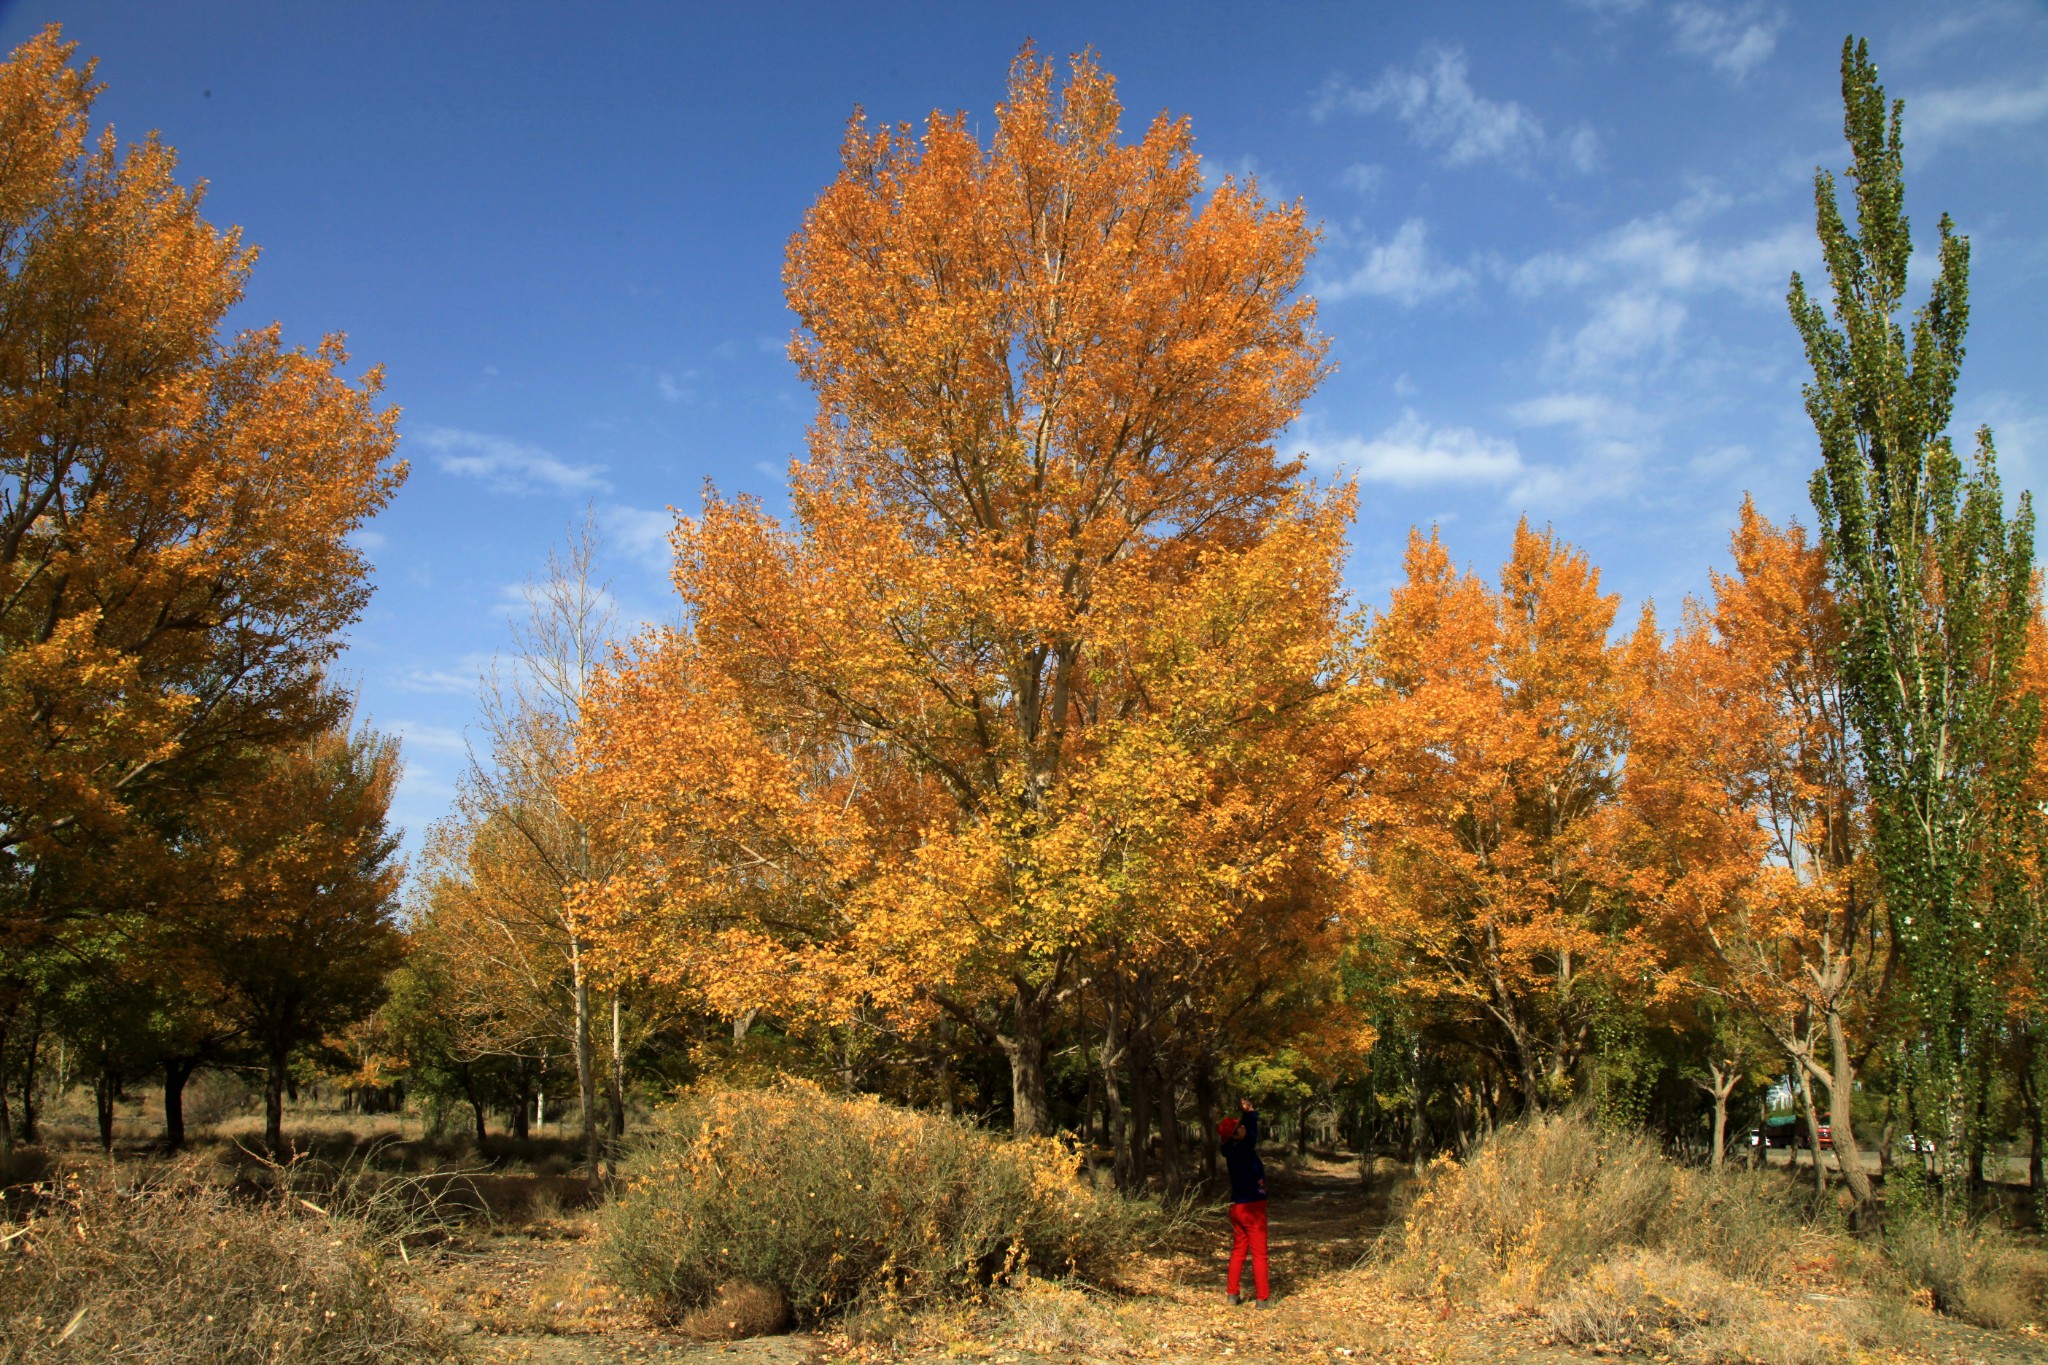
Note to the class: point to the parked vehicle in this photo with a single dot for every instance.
(1788, 1130)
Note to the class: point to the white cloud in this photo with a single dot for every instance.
(509, 466)
(1944, 115)
(1663, 252)
(1401, 268)
(1586, 411)
(1623, 327)
(1733, 40)
(420, 735)
(1435, 99)
(674, 390)
(641, 534)
(1362, 177)
(438, 680)
(1411, 453)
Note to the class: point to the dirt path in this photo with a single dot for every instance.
(531, 1294)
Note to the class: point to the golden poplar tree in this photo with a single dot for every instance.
(907, 751)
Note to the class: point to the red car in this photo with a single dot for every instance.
(1827, 1137)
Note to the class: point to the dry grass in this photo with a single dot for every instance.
(1542, 1201)
(736, 1311)
(176, 1270)
(847, 1203)
(1616, 1249)
(1973, 1271)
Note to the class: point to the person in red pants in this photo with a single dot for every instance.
(1247, 1202)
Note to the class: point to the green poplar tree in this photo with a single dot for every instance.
(1935, 586)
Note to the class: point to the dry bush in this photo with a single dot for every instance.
(1541, 1201)
(738, 1310)
(173, 1270)
(1972, 1271)
(1051, 1319)
(1662, 1305)
(213, 1097)
(846, 1203)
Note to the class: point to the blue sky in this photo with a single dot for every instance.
(1556, 243)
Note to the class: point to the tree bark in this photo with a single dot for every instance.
(6, 1117)
(586, 1070)
(1205, 1106)
(1024, 1045)
(177, 1070)
(274, 1078)
(615, 1087)
(104, 1088)
(1722, 1087)
(1141, 1122)
(1169, 1134)
(1842, 1120)
(1820, 1167)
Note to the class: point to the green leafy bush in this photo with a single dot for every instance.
(839, 1203)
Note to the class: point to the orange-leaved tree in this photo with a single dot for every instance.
(174, 505)
(1493, 854)
(877, 762)
(1744, 792)
(291, 897)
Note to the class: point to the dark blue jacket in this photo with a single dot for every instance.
(1247, 1172)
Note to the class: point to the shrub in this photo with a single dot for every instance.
(1968, 1270)
(1542, 1200)
(176, 1271)
(1652, 1303)
(844, 1203)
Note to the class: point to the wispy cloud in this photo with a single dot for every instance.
(1434, 97)
(1666, 251)
(1401, 268)
(421, 735)
(1944, 115)
(1412, 453)
(640, 533)
(508, 466)
(1734, 39)
(1625, 326)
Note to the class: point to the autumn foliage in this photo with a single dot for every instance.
(1033, 699)
(1038, 768)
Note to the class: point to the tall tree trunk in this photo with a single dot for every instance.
(6, 1116)
(1820, 1167)
(177, 1070)
(1169, 1133)
(586, 1071)
(1205, 1107)
(1723, 1085)
(104, 1088)
(1842, 1120)
(2030, 1108)
(31, 1060)
(615, 1086)
(1418, 1114)
(1979, 1103)
(1110, 1062)
(475, 1097)
(274, 1079)
(1141, 1120)
(1024, 1045)
(523, 1102)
